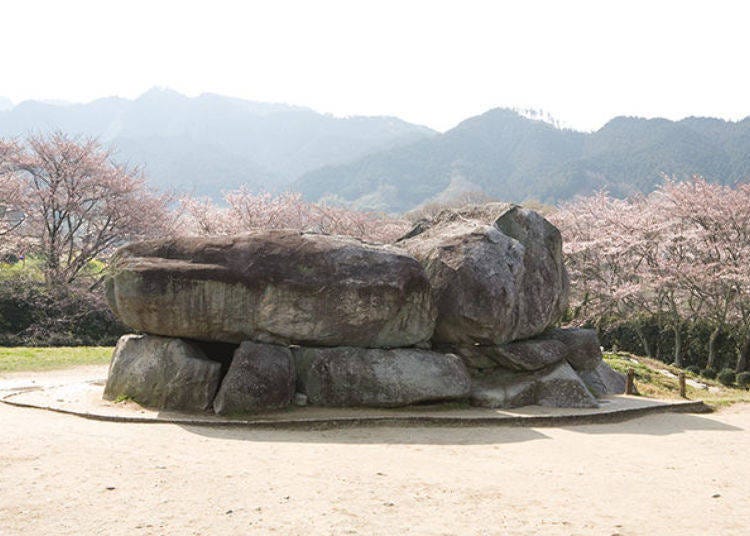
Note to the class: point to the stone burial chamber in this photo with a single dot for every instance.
(464, 308)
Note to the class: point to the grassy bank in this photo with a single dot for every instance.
(17, 359)
(655, 379)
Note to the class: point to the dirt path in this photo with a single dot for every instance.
(663, 474)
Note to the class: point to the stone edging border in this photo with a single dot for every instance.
(611, 416)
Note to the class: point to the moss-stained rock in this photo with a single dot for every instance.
(555, 386)
(347, 376)
(260, 377)
(162, 373)
(530, 354)
(603, 381)
(496, 270)
(584, 350)
(273, 286)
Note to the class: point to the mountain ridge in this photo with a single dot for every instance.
(515, 158)
(211, 143)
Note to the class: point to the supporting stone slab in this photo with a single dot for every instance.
(83, 399)
(162, 372)
(348, 376)
(260, 377)
(556, 386)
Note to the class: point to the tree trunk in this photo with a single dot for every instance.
(742, 356)
(712, 348)
(644, 341)
(51, 267)
(678, 346)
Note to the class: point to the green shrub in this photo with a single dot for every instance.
(743, 380)
(34, 315)
(708, 373)
(726, 377)
(696, 335)
(693, 369)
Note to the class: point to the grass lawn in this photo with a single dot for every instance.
(16, 359)
(651, 381)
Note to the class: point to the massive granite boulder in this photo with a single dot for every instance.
(496, 270)
(273, 286)
(580, 347)
(346, 376)
(482, 286)
(162, 373)
(530, 354)
(584, 351)
(554, 386)
(260, 377)
(603, 380)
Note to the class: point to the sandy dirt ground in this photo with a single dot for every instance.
(662, 474)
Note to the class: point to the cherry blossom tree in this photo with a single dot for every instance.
(248, 211)
(78, 204)
(678, 255)
(11, 217)
(717, 221)
(608, 255)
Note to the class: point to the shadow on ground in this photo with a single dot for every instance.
(660, 424)
(653, 425)
(417, 435)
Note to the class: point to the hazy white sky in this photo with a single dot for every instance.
(429, 62)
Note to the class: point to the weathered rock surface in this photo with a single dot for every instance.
(504, 388)
(530, 354)
(482, 285)
(347, 376)
(260, 377)
(162, 373)
(555, 386)
(584, 351)
(273, 286)
(563, 388)
(496, 270)
(603, 381)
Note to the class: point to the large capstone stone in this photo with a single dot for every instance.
(555, 386)
(584, 351)
(603, 380)
(273, 286)
(162, 373)
(347, 376)
(530, 354)
(496, 270)
(260, 377)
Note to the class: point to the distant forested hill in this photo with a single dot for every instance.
(212, 143)
(514, 158)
